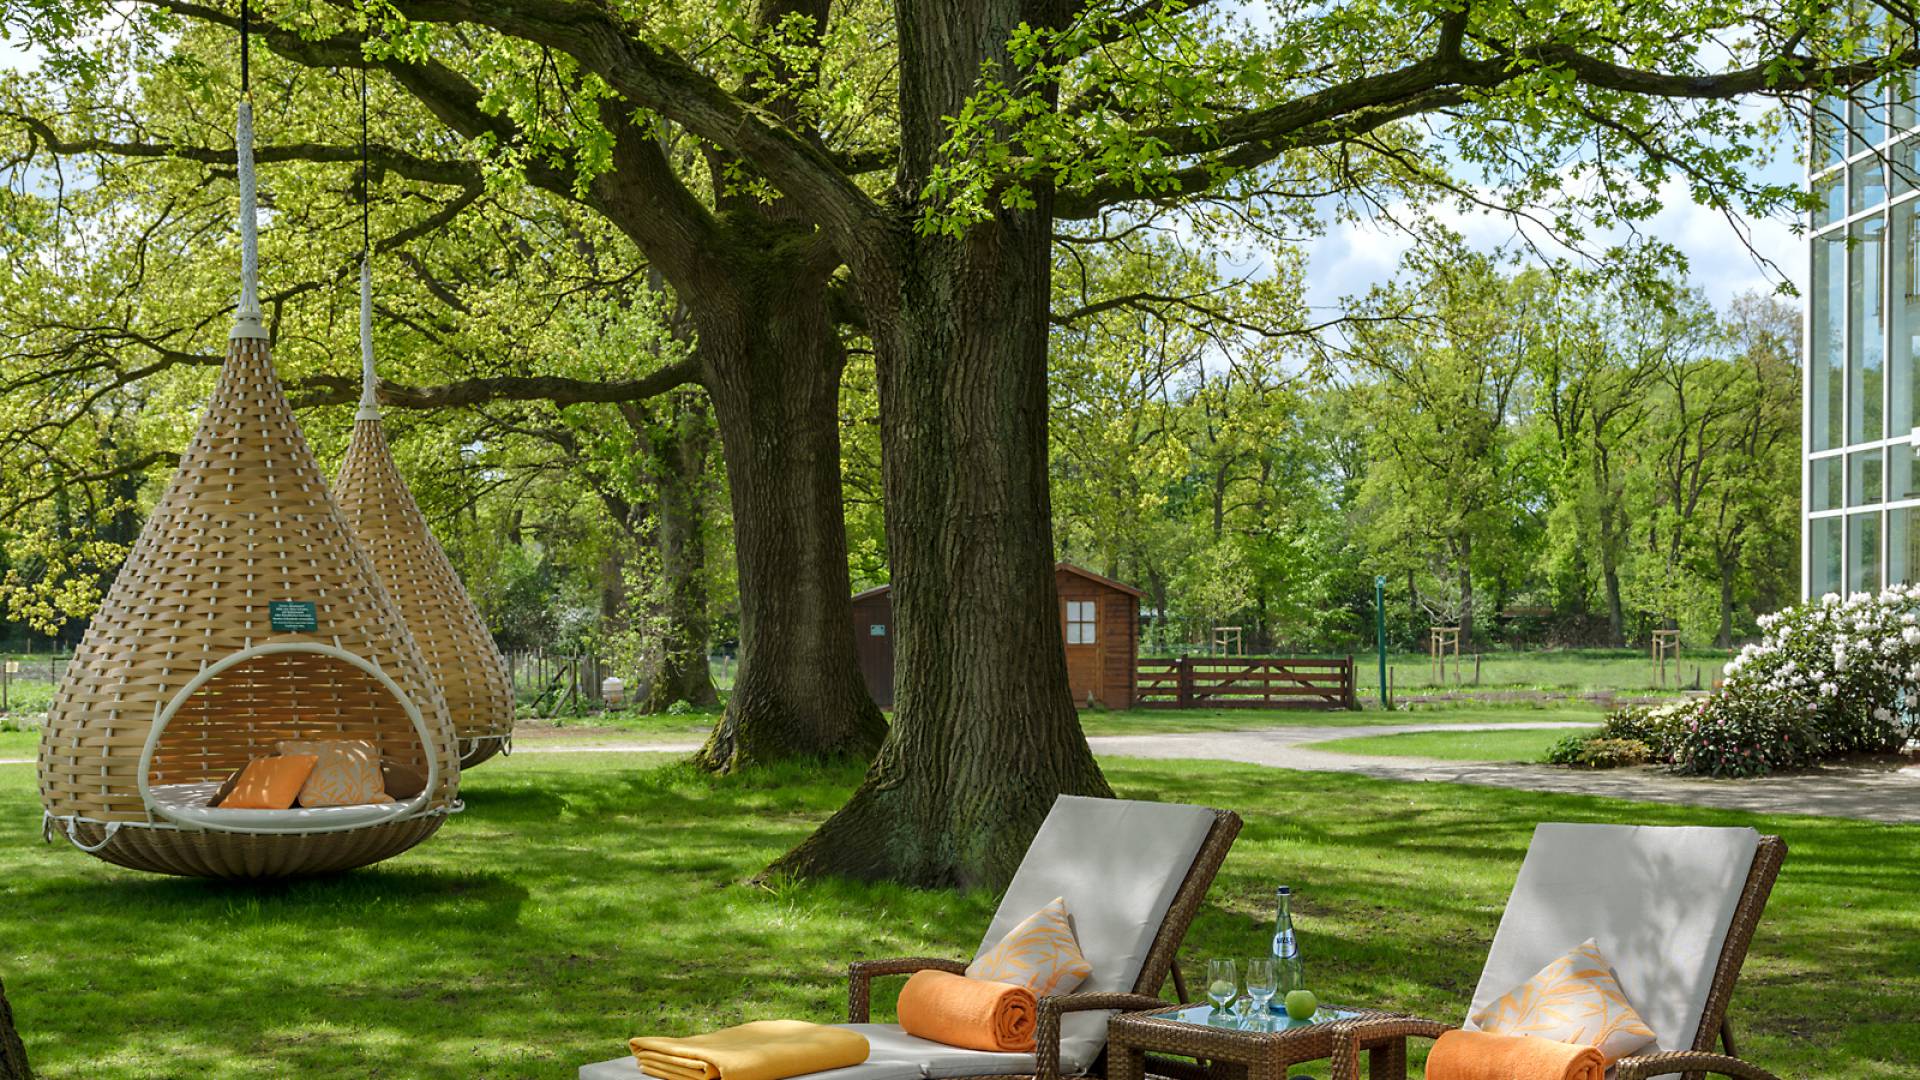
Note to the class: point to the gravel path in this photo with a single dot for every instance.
(1885, 793)
(1874, 793)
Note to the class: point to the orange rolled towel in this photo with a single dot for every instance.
(971, 1013)
(1481, 1055)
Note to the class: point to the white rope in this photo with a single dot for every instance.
(247, 321)
(369, 405)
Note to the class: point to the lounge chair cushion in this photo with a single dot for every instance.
(893, 1055)
(1658, 901)
(1118, 865)
(187, 804)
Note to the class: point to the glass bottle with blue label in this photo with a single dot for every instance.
(1287, 970)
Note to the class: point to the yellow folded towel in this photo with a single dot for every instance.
(762, 1050)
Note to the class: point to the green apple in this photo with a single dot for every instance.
(1301, 1004)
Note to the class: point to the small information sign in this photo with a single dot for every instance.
(293, 616)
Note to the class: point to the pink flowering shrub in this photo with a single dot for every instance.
(1746, 733)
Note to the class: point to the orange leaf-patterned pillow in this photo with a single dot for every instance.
(1573, 1000)
(347, 772)
(1040, 954)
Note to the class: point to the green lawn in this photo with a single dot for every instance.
(1629, 670)
(1454, 745)
(582, 899)
(16, 744)
(1146, 721)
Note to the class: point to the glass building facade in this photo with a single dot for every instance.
(1860, 482)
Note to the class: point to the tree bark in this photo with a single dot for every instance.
(799, 691)
(1725, 638)
(984, 735)
(13, 1053)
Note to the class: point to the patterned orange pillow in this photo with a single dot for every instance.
(347, 773)
(270, 783)
(1040, 954)
(1572, 1000)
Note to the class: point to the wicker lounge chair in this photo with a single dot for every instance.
(1673, 910)
(1133, 874)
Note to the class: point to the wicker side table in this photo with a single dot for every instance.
(1232, 1051)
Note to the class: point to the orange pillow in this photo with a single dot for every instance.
(1041, 954)
(226, 787)
(270, 783)
(347, 774)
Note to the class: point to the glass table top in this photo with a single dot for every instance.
(1243, 1018)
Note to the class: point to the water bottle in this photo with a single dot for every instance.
(1287, 973)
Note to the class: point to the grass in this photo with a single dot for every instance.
(1525, 745)
(1158, 721)
(18, 744)
(1629, 670)
(584, 898)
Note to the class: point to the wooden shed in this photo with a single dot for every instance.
(1099, 621)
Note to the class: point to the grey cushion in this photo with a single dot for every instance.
(626, 1068)
(1658, 901)
(1118, 864)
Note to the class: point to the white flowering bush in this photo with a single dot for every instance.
(1851, 665)
(1829, 677)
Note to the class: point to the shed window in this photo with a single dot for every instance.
(1080, 620)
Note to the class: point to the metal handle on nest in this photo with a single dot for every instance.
(47, 821)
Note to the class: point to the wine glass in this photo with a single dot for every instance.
(1261, 984)
(1223, 983)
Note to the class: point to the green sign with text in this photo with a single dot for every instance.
(293, 616)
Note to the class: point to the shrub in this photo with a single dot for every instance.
(1853, 662)
(1590, 750)
(1659, 728)
(1749, 733)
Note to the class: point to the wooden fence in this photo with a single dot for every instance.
(1245, 682)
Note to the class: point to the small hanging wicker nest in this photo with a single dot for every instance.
(182, 677)
(459, 651)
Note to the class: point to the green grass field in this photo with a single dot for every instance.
(584, 898)
(1629, 670)
(1144, 721)
(1454, 745)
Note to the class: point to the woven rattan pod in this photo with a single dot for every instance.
(245, 615)
(459, 651)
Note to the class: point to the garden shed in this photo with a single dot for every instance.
(1099, 621)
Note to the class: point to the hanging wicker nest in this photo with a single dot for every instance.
(182, 678)
(459, 651)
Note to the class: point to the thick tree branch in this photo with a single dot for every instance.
(658, 79)
(342, 390)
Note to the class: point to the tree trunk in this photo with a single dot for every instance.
(984, 736)
(1466, 591)
(1726, 604)
(677, 468)
(13, 1053)
(799, 691)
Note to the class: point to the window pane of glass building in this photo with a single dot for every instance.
(1903, 273)
(1869, 188)
(1823, 562)
(1829, 132)
(1823, 482)
(1863, 478)
(1903, 544)
(1828, 371)
(1866, 300)
(1903, 166)
(1903, 482)
(1863, 552)
(1868, 118)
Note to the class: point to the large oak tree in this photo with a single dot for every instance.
(925, 221)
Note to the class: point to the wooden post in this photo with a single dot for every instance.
(1353, 691)
(13, 1052)
(1183, 671)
